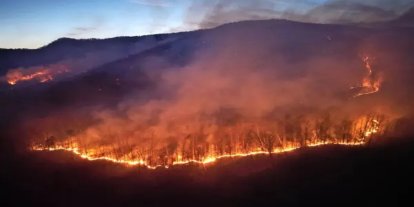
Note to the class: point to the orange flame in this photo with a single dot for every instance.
(90, 156)
(42, 75)
(370, 83)
(364, 129)
(17, 76)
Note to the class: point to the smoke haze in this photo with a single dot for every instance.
(273, 78)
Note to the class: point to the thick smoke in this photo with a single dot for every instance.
(242, 84)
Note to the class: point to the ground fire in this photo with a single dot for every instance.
(243, 139)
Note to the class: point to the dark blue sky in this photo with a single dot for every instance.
(34, 23)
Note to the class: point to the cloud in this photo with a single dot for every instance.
(405, 19)
(207, 14)
(79, 31)
(348, 12)
(153, 3)
(397, 6)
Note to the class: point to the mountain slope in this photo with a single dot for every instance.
(66, 50)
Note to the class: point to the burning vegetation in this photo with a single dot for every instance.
(225, 97)
(182, 131)
(212, 96)
(39, 74)
(371, 82)
(16, 76)
(211, 143)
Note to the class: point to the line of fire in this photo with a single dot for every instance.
(242, 140)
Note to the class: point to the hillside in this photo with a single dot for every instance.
(246, 84)
(69, 50)
(376, 175)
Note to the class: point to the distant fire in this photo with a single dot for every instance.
(17, 76)
(40, 74)
(238, 141)
(371, 82)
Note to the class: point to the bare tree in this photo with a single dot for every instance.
(266, 140)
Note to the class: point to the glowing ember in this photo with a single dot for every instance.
(371, 83)
(256, 142)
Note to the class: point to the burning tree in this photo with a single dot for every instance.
(203, 146)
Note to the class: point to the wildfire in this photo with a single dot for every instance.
(41, 74)
(371, 83)
(361, 131)
(204, 161)
(373, 129)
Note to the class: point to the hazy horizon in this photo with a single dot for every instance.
(29, 24)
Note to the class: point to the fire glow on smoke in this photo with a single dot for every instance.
(204, 138)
